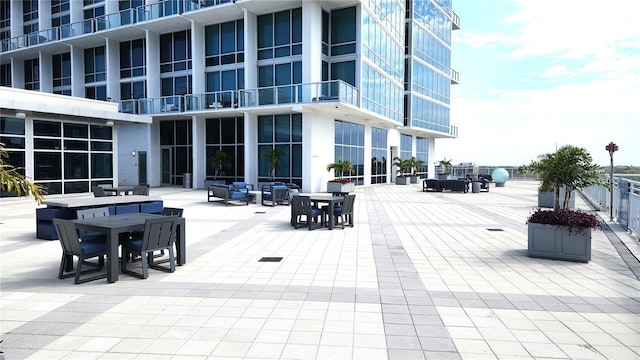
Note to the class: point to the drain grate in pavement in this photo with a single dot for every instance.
(260, 212)
(270, 259)
(495, 229)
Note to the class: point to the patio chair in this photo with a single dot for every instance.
(301, 206)
(343, 214)
(141, 190)
(98, 191)
(159, 234)
(275, 195)
(92, 213)
(73, 245)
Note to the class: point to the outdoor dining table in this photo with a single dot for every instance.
(117, 190)
(331, 200)
(115, 225)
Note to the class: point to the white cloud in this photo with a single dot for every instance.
(573, 28)
(477, 40)
(555, 71)
(513, 127)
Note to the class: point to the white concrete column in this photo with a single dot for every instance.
(112, 53)
(250, 50)
(197, 60)
(17, 22)
(75, 11)
(311, 41)
(44, 14)
(251, 148)
(431, 150)
(46, 72)
(153, 65)
(318, 131)
(199, 152)
(77, 71)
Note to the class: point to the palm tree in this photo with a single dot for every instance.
(273, 157)
(340, 167)
(446, 164)
(569, 166)
(415, 165)
(219, 163)
(402, 165)
(15, 183)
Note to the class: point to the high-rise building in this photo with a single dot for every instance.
(365, 80)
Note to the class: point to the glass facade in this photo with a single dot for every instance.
(422, 154)
(176, 138)
(70, 157)
(405, 146)
(62, 74)
(95, 73)
(32, 74)
(395, 53)
(349, 144)
(226, 135)
(378, 156)
(381, 83)
(282, 132)
(428, 68)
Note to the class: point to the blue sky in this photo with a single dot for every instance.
(539, 74)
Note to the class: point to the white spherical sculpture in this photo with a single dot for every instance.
(500, 176)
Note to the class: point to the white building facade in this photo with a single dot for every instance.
(365, 80)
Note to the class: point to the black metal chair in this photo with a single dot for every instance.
(72, 245)
(275, 194)
(169, 211)
(159, 234)
(92, 213)
(141, 190)
(343, 213)
(301, 206)
(98, 191)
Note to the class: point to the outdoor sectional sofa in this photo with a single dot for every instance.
(226, 193)
(441, 185)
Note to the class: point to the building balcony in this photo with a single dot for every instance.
(455, 21)
(107, 22)
(455, 77)
(327, 92)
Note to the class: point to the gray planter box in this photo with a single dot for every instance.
(414, 179)
(555, 242)
(337, 187)
(545, 199)
(403, 180)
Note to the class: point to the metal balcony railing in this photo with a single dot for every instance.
(455, 77)
(455, 21)
(106, 22)
(321, 92)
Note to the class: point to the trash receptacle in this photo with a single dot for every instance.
(475, 187)
(187, 181)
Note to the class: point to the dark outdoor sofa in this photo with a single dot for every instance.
(441, 185)
(226, 193)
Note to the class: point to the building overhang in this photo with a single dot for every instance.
(27, 102)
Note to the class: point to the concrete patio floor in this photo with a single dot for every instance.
(420, 276)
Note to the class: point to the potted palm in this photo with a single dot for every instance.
(401, 168)
(219, 164)
(273, 156)
(415, 165)
(446, 166)
(340, 184)
(563, 233)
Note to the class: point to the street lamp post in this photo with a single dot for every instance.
(611, 148)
